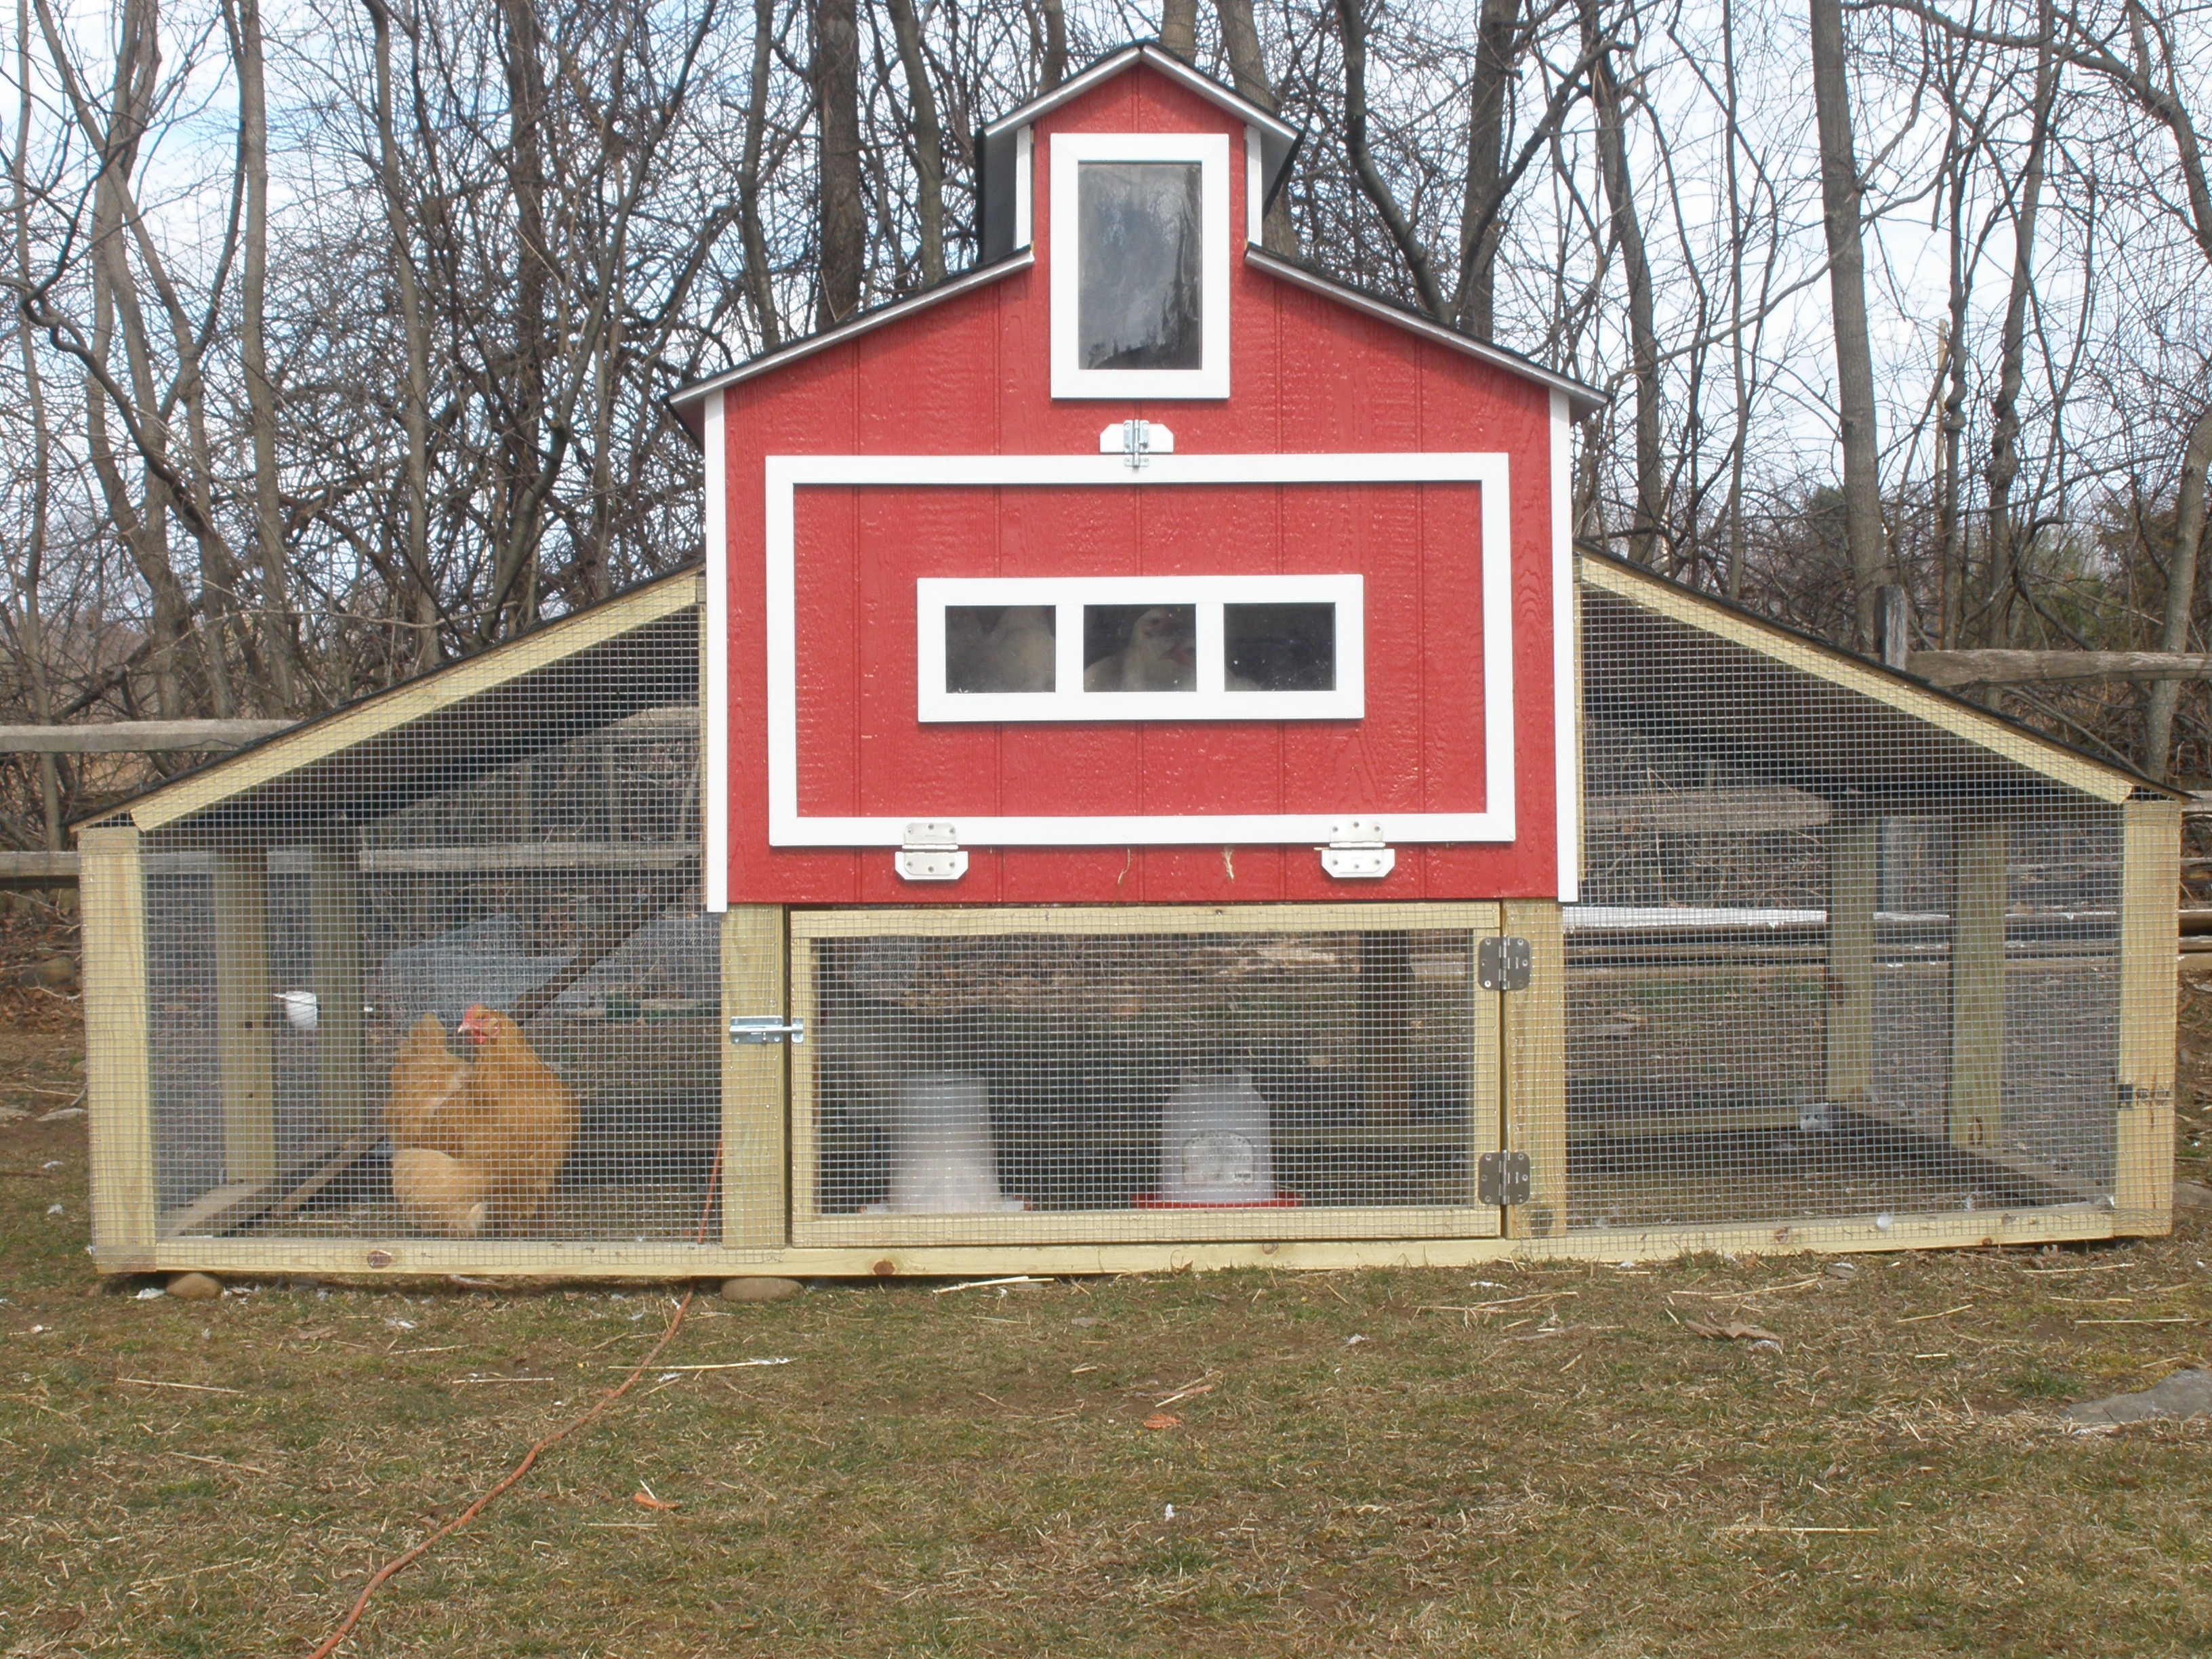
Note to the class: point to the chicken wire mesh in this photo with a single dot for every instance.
(1830, 964)
(976, 1084)
(459, 986)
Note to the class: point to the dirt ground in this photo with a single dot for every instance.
(1542, 1460)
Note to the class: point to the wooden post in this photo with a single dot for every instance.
(334, 919)
(1854, 876)
(1977, 981)
(243, 1008)
(2150, 878)
(1536, 1047)
(111, 896)
(755, 1200)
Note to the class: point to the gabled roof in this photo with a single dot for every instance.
(1150, 52)
(1737, 636)
(380, 740)
(995, 150)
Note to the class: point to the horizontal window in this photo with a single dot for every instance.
(1139, 648)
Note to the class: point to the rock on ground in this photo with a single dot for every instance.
(2184, 1394)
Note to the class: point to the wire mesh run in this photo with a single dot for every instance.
(463, 989)
(991, 1084)
(1831, 964)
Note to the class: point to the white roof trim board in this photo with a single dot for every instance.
(1168, 64)
(981, 277)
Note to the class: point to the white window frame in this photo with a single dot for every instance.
(786, 475)
(1210, 699)
(1211, 151)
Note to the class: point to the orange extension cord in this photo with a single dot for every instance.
(383, 1575)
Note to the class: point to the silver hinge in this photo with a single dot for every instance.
(1501, 1178)
(930, 853)
(1503, 964)
(766, 1028)
(1136, 441)
(1356, 852)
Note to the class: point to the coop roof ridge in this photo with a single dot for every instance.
(1956, 714)
(214, 780)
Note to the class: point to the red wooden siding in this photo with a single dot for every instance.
(972, 376)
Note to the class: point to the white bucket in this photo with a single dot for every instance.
(942, 1159)
(1215, 1147)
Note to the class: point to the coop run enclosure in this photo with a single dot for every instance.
(427, 985)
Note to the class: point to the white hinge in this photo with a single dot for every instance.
(1356, 853)
(930, 853)
(1136, 440)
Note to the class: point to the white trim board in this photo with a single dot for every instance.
(715, 822)
(1566, 658)
(1208, 698)
(1210, 152)
(787, 474)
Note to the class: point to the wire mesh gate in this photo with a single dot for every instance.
(1153, 1073)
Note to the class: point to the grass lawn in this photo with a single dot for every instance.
(1355, 1465)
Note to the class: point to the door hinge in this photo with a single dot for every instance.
(766, 1028)
(930, 853)
(1136, 441)
(1501, 1178)
(1504, 965)
(1356, 851)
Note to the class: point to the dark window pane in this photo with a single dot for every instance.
(1280, 647)
(1140, 648)
(1138, 281)
(998, 647)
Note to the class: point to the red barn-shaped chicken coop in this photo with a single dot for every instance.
(1189, 621)
(1142, 780)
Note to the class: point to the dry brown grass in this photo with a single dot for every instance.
(1574, 1472)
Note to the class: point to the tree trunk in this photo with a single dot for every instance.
(2004, 407)
(1179, 28)
(1053, 70)
(928, 140)
(1248, 67)
(2181, 590)
(1627, 234)
(1475, 305)
(420, 604)
(836, 98)
(758, 288)
(278, 629)
(1353, 25)
(514, 597)
(1839, 194)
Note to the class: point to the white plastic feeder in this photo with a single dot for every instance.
(1215, 1147)
(942, 1159)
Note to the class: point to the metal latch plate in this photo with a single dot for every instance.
(1501, 1178)
(766, 1028)
(1504, 965)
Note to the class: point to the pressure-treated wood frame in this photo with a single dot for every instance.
(810, 1228)
(111, 900)
(2142, 1150)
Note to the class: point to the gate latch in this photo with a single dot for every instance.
(1501, 1178)
(1356, 851)
(1503, 964)
(766, 1028)
(1136, 441)
(930, 853)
